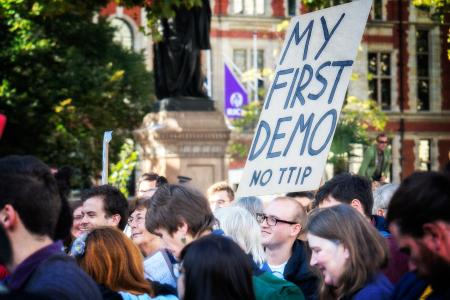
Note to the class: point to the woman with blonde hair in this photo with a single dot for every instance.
(350, 253)
(114, 262)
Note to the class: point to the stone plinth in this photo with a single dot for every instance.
(189, 143)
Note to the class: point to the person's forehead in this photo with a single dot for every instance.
(147, 184)
(140, 211)
(219, 195)
(93, 204)
(280, 208)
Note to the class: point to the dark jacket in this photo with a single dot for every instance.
(298, 271)
(378, 289)
(398, 261)
(51, 273)
(410, 287)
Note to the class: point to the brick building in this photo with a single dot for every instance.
(402, 63)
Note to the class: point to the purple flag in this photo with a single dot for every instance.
(235, 95)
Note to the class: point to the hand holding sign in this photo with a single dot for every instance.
(302, 107)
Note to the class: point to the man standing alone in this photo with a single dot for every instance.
(376, 160)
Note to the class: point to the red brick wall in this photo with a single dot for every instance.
(393, 14)
(220, 7)
(444, 149)
(134, 13)
(408, 158)
(109, 9)
(278, 8)
(445, 65)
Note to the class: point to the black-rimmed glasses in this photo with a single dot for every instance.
(271, 220)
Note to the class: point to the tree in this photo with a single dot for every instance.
(64, 82)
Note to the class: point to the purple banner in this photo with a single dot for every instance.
(235, 95)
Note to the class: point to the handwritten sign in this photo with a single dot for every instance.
(302, 107)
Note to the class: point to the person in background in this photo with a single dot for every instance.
(376, 160)
(104, 205)
(115, 263)
(157, 263)
(76, 208)
(349, 253)
(237, 224)
(419, 218)
(356, 191)
(381, 198)
(304, 198)
(148, 183)
(220, 194)
(214, 268)
(282, 222)
(77, 213)
(179, 215)
(29, 211)
(253, 204)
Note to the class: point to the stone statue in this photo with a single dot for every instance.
(177, 67)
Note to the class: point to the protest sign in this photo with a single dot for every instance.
(302, 106)
(235, 95)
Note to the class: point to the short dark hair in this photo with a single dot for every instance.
(114, 202)
(345, 187)
(216, 268)
(160, 180)
(173, 204)
(306, 194)
(381, 134)
(27, 184)
(422, 198)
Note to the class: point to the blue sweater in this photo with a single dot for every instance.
(378, 289)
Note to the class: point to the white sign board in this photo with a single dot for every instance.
(302, 107)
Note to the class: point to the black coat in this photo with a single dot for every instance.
(298, 271)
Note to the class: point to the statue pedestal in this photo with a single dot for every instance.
(188, 143)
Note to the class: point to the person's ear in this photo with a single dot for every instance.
(8, 216)
(346, 252)
(356, 204)
(183, 228)
(296, 229)
(116, 219)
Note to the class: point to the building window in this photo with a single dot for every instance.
(425, 155)
(243, 60)
(380, 78)
(240, 59)
(292, 7)
(423, 66)
(248, 7)
(123, 34)
(377, 10)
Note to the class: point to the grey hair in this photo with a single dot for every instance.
(382, 196)
(253, 204)
(238, 224)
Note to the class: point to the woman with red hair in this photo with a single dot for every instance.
(115, 263)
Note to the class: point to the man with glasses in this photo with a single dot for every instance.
(281, 224)
(376, 160)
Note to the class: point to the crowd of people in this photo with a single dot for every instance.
(347, 240)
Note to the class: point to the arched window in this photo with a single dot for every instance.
(123, 34)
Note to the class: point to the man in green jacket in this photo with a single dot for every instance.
(376, 160)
